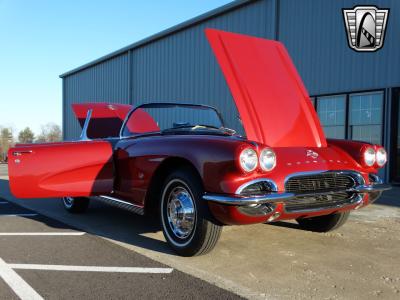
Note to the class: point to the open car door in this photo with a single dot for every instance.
(75, 169)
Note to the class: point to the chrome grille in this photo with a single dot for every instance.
(323, 182)
(319, 201)
(332, 184)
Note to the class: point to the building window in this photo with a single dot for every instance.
(365, 117)
(332, 113)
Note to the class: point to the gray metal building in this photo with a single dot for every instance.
(356, 94)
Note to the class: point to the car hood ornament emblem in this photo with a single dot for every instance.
(312, 154)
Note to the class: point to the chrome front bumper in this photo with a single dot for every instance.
(276, 197)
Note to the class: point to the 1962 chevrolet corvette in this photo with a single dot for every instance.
(181, 162)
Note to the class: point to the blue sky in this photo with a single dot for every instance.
(41, 39)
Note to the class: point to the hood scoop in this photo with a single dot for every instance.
(273, 104)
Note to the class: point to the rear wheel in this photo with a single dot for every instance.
(324, 223)
(76, 204)
(187, 223)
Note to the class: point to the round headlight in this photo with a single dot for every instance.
(267, 159)
(248, 159)
(381, 157)
(369, 156)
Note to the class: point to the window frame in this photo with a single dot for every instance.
(382, 93)
(347, 108)
(317, 99)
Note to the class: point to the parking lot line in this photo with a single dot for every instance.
(41, 233)
(20, 287)
(18, 215)
(91, 269)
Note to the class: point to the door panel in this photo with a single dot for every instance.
(82, 168)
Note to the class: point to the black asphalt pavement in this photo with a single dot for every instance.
(85, 250)
(3, 170)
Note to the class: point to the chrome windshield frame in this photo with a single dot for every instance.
(166, 104)
(84, 135)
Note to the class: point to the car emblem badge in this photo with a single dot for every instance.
(365, 27)
(312, 154)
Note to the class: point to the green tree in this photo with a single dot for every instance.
(26, 136)
(50, 133)
(6, 141)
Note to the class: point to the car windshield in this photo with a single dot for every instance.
(167, 117)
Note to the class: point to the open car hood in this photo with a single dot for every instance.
(272, 101)
(106, 119)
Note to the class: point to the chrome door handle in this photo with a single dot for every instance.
(22, 152)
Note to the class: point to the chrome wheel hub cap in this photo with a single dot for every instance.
(68, 201)
(181, 212)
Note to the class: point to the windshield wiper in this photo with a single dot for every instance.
(222, 128)
(201, 126)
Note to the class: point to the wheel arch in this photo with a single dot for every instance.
(160, 174)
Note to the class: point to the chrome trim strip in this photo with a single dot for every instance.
(238, 200)
(121, 204)
(282, 197)
(84, 136)
(243, 186)
(124, 123)
(21, 152)
(376, 178)
(378, 187)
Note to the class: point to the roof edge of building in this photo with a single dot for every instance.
(186, 24)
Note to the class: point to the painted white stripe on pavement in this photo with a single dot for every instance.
(90, 268)
(17, 284)
(40, 233)
(2, 202)
(18, 215)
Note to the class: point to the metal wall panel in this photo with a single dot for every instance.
(105, 82)
(182, 68)
(178, 67)
(314, 33)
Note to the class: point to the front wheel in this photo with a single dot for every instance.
(324, 223)
(187, 223)
(76, 205)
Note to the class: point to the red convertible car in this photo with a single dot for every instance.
(181, 162)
